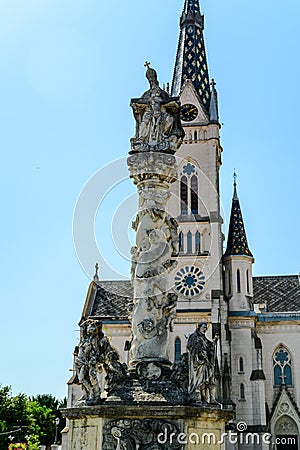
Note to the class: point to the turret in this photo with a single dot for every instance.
(238, 260)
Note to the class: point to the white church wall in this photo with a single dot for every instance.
(272, 335)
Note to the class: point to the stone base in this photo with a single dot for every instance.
(116, 426)
(134, 390)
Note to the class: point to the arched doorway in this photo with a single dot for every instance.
(286, 432)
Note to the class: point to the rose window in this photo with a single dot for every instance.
(190, 281)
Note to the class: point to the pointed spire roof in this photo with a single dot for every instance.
(191, 61)
(237, 244)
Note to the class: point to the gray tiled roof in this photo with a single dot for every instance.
(112, 299)
(281, 293)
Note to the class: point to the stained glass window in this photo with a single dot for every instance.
(183, 195)
(189, 242)
(181, 243)
(194, 194)
(282, 367)
(198, 242)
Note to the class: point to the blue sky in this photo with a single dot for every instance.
(68, 69)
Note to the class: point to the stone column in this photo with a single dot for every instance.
(152, 257)
(152, 166)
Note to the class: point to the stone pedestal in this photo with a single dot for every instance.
(158, 426)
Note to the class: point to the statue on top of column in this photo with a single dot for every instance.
(158, 126)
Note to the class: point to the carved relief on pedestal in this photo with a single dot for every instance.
(141, 434)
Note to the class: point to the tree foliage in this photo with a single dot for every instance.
(30, 420)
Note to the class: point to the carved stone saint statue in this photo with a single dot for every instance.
(93, 357)
(88, 359)
(158, 127)
(202, 354)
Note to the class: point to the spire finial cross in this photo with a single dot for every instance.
(147, 64)
(213, 83)
(234, 185)
(96, 276)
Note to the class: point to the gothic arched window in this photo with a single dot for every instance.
(241, 364)
(198, 242)
(189, 242)
(282, 367)
(247, 280)
(184, 195)
(194, 194)
(181, 242)
(229, 282)
(177, 349)
(238, 280)
(242, 391)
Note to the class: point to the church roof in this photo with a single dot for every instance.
(281, 293)
(191, 61)
(237, 244)
(112, 299)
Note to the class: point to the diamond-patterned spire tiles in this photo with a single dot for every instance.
(237, 244)
(191, 62)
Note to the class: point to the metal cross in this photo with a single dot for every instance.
(147, 64)
(234, 177)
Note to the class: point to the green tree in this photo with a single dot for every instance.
(30, 420)
(42, 422)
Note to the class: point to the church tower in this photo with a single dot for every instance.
(248, 378)
(238, 260)
(195, 201)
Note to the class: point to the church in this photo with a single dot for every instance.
(257, 318)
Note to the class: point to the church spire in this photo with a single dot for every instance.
(237, 244)
(191, 61)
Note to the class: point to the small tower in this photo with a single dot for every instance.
(247, 376)
(238, 260)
